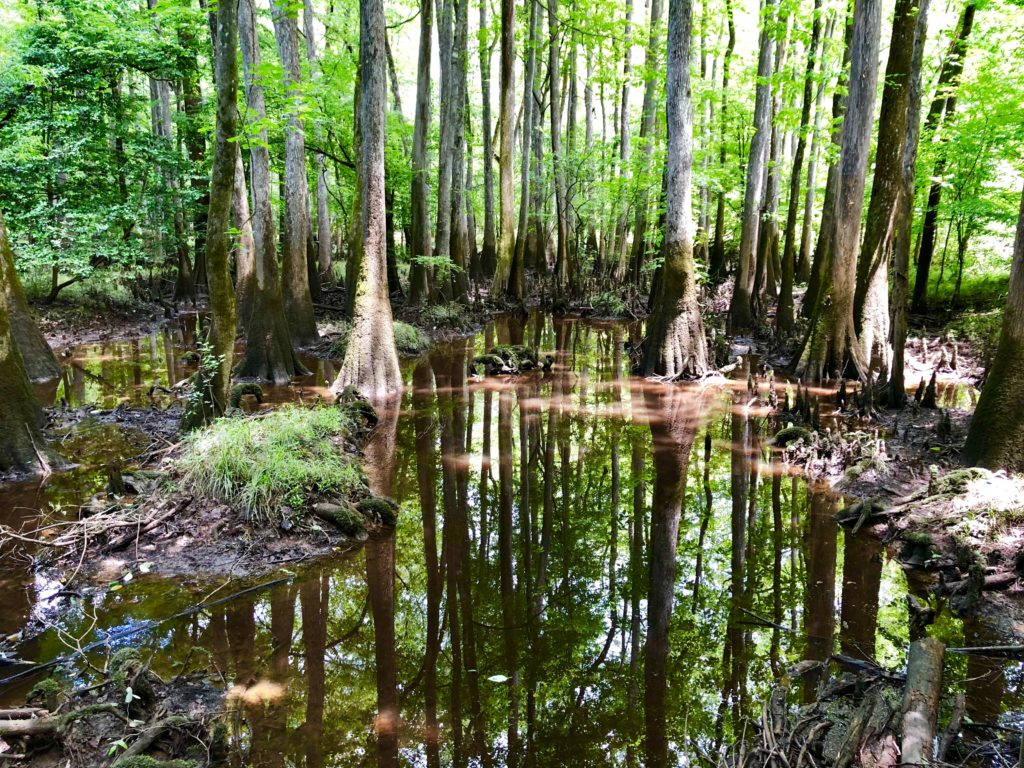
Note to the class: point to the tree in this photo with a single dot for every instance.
(557, 160)
(298, 301)
(508, 280)
(741, 310)
(22, 447)
(832, 337)
(323, 211)
(871, 297)
(214, 377)
(717, 266)
(420, 246)
(38, 359)
(489, 254)
(268, 346)
(996, 436)
(371, 360)
(676, 345)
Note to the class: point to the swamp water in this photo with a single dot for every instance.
(536, 565)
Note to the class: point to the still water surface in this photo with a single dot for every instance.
(588, 569)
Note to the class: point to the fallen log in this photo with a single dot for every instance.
(921, 700)
(23, 713)
(999, 651)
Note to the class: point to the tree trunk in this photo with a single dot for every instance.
(871, 297)
(323, 212)
(268, 350)
(741, 307)
(647, 139)
(489, 255)
(529, 120)
(833, 337)
(371, 360)
(676, 345)
(784, 313)
(507, 281)
(211, 395)
(419, 248)
(717, 266)
(298, 301)
(996, 436)
(561, 214)
(619, 266)
(38, 359)
(904, 217)
(459, 241)
(245, 244)
(942, 109)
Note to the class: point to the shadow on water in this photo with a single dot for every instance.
(588, 569)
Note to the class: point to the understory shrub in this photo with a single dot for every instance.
(450, 315)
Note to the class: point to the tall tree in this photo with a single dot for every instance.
(942, 109)
(996, 436)
(784, 312)
(323, 211)
(419, 248)
(741, 307)
(529, 119)
(508, 279)
(871, 297)
(832, 337)
(489, 255)
(371, 360)
(210, 399)
(298, 301)
(676, 345)
(268, 344)
(22, 447)
(459, 246)
(717, 266)
(557, 160)
(39, 361)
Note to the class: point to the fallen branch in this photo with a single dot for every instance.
(125, 539)
(921, 700)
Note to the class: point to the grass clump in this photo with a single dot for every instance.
(287, 458)
(451, 315)
(409, 339)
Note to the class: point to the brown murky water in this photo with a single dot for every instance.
(586, 566)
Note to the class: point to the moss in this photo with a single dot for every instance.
(956, 482)
(791, 434)
(492, 364)
(283, 459)
(49, 692)
(241, 390)
(409, 339)
(346, 519)
(144, 761)
(357, 407)
(516, 356)
(379, 509)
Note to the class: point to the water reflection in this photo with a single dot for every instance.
(588, 569)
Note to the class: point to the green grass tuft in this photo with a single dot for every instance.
(409, 339)
(286, 458)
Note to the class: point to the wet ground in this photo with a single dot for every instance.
(556, 531)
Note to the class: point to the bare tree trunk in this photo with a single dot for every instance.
(508, 281)
(904, 216)
(942, 108)
(620, 265)
(647, 139)
(717, 266)
(741, 308)
(489, 255)
(833, 337)
(871, 297)
(245, 245)
(268, 351)
(211, 396)
(996, 436)
(298, 301)
(446, 141)
(371, 360)
(561, 215)
(420, 245)
(323, 212)
(459, 242)
(38, 359)
(676, 345)
(784, 313)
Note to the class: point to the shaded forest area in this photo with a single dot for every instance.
(345, 219)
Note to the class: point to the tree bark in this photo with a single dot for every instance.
(741, 315)
(323, 211)
(996, 436)
(489, 254)
(676, 345)
(507, 281)
(717, 265)
(210, 399)
(561, 214)
(833, 340)
(459, 242)
(871, 297)
(420, 246)
(268, 350)
(298, 301)
(371, 360)
(921, 701)
(39, 361)
(529, 119)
